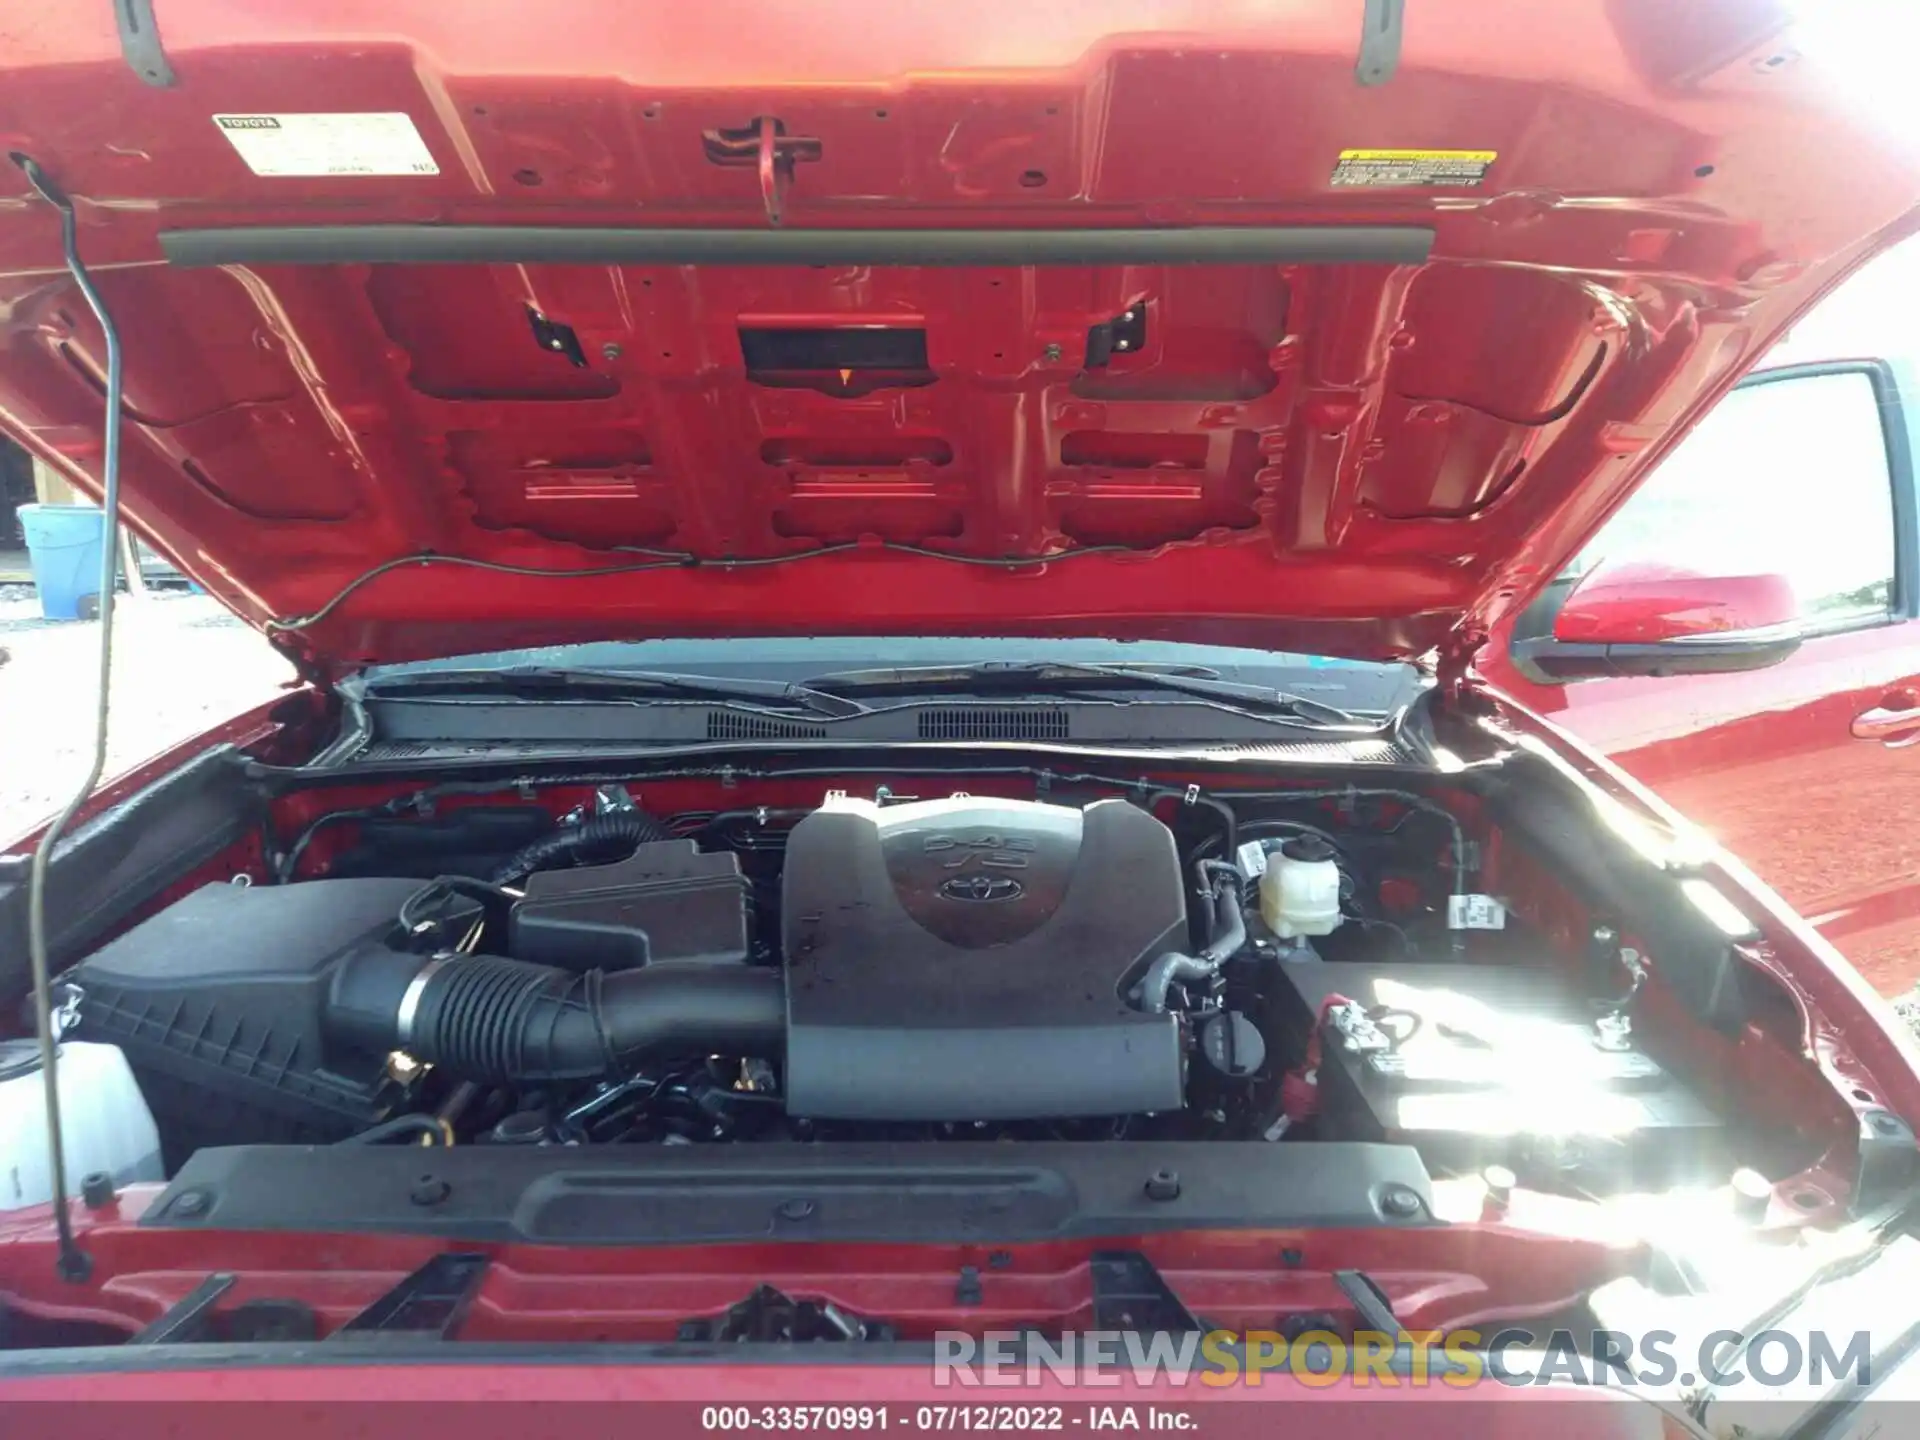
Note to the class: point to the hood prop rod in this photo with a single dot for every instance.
(72, 1262)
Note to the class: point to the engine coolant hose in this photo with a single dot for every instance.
(484, 1017)
(1222, 880)
(625, 829)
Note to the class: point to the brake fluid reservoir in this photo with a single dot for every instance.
(1300, 889)
(104, 1121)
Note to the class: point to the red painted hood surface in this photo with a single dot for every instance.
(1367, 458)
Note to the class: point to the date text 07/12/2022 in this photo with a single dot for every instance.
(936, 1419)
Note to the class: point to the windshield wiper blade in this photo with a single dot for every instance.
(1041, 675)
(559, 682)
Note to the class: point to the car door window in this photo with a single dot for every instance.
(1786, 476)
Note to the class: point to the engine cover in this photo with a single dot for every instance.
(964, 959)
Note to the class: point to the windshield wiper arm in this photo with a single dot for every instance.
(1044, 674)
(559, 682)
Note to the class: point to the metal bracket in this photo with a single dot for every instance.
(432, 1301)
(613, 799)
(1125, 334)
(1887, 1159)
(770, 1316)
(66, 1011)
(1130, 1294)
(1380, 41)
(1370, 1303)
(764, 144)
(560, 339)
(967, 1289)
(1353, 1031)
(140, 42)
(187, 1318)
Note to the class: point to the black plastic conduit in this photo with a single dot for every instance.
(628, 829)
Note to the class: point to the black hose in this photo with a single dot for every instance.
(1229, 936)
(424, 1125)
(285, 866)
(562, 848)
(483, 1017)
(1229, 931)
(447, 887)
(1229, 819)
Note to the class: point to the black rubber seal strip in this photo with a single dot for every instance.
(575, 245)
(140, 42)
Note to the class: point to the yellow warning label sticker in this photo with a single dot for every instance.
(1413, 167)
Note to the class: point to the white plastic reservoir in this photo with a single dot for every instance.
(104, 1121)
(1300, 889)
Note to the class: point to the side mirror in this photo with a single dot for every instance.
(1641, 619)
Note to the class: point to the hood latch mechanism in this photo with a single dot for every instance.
(764, 144)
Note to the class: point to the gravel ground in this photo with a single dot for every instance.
(180, 664)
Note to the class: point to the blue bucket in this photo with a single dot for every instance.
(63, 544)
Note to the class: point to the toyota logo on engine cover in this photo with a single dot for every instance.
(983, 887)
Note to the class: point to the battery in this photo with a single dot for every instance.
(1475, 1065)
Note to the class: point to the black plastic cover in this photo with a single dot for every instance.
(965, 959)
(1003, 1193)
(667, 901)
(217, 1002)
(464, 840)
(123, 856)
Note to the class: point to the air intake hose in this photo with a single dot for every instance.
(623, 831)
(487, 1018)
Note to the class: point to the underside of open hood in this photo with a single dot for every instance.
(1306, 323)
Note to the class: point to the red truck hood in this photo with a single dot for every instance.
(1264, 322)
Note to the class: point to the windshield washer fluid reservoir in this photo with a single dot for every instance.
(104, 1121)
(1300, 889)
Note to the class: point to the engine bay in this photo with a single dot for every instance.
(1477, 1036)
(1323, 962)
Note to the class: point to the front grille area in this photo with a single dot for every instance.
(993, 722)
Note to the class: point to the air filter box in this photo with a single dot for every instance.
(217, 1003)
